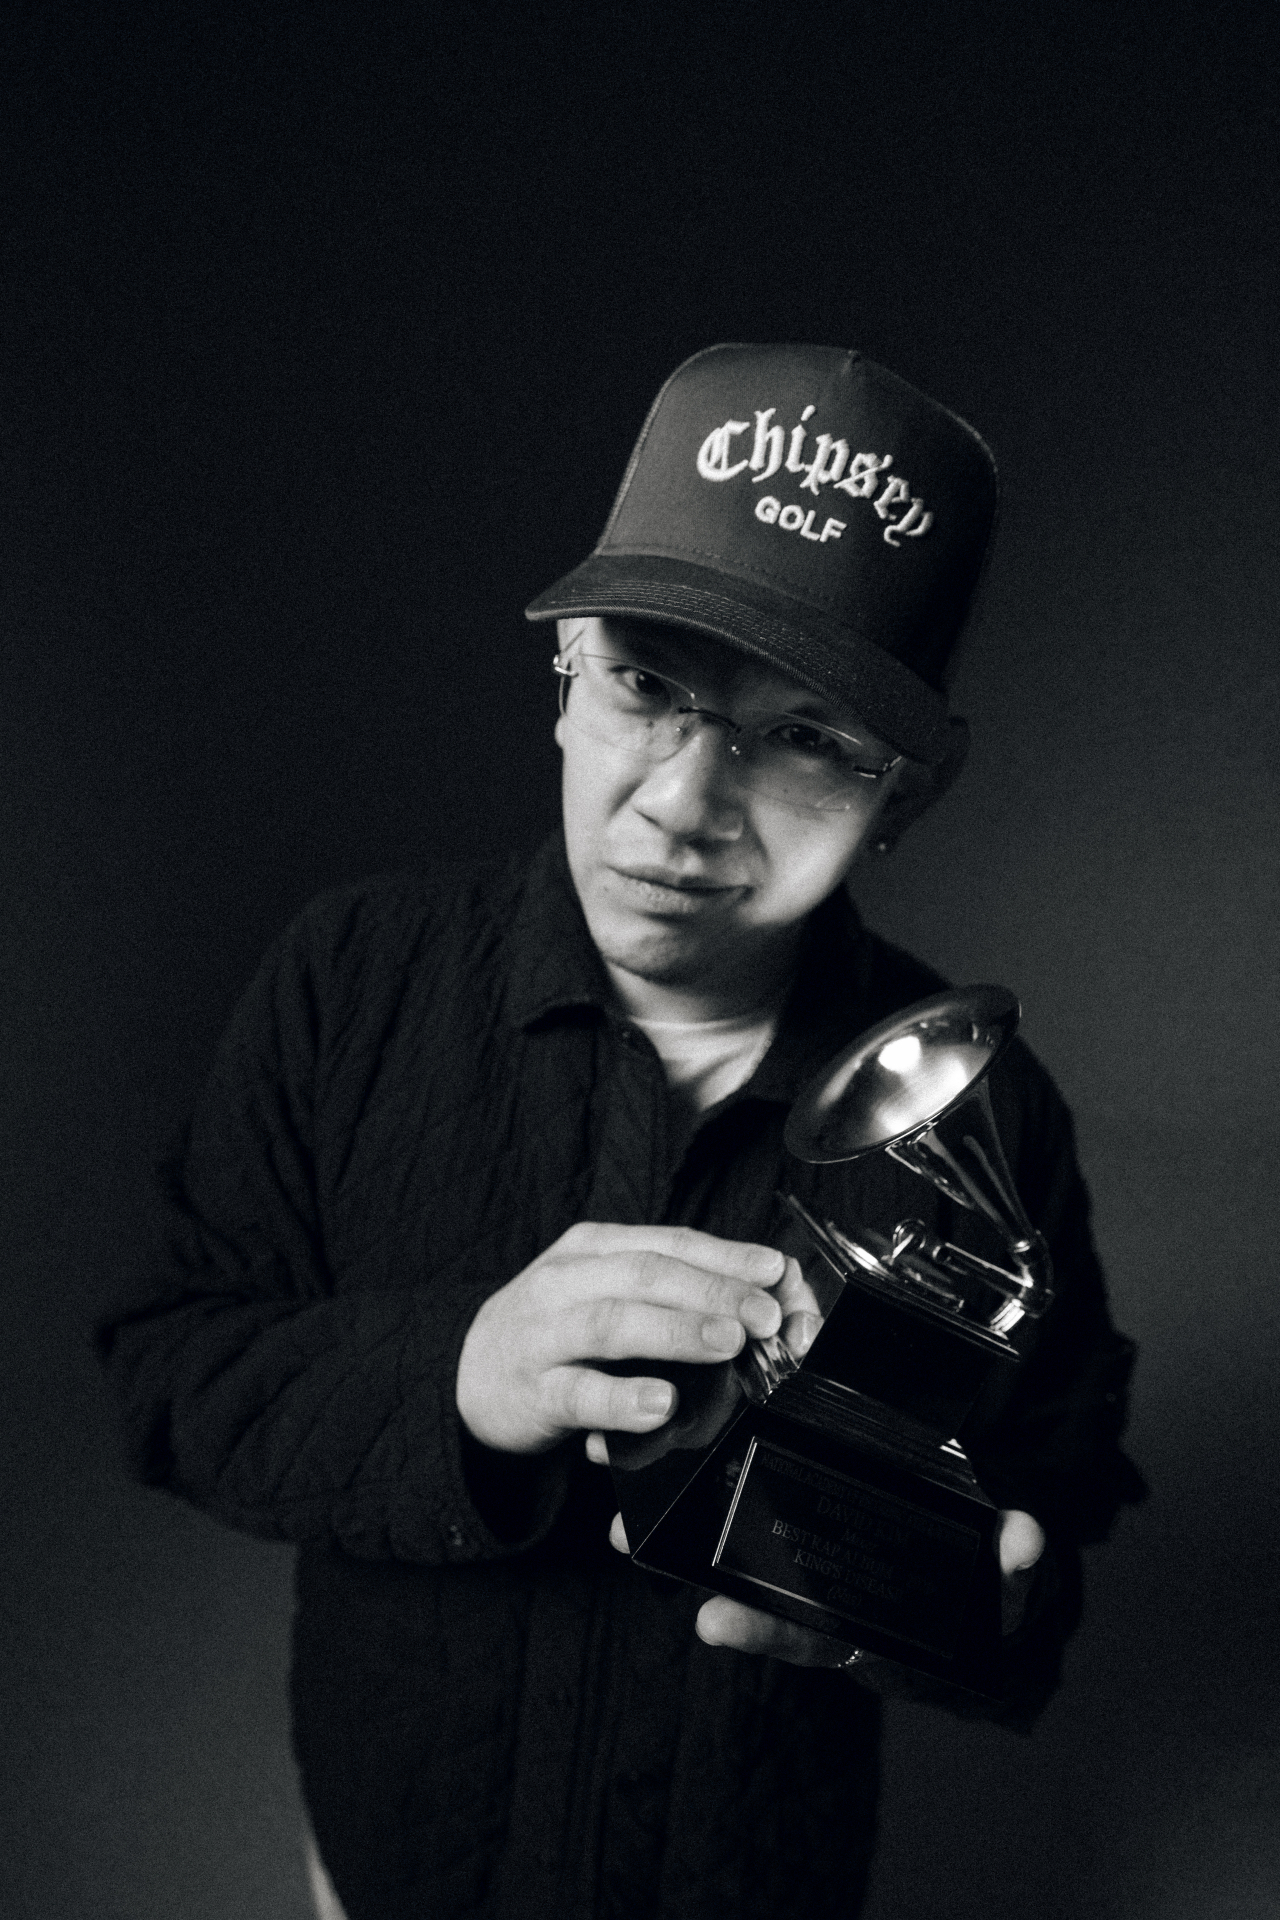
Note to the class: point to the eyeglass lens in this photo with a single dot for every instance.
(789, 755)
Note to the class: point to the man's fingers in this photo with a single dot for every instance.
(1021, 1541)
(660, 1280)
(602, 1293)
(801, 1313)
(614, 1329)
(793, 1292)
(727, 1623)
(799, 1331)
(618, 1535)
(597, 1450)
(581, 1397)
(744, 1260)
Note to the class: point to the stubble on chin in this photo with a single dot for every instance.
(664, 956)
(722, 964)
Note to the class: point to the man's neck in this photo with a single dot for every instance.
(760, 990)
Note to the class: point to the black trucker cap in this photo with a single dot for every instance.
(808, 506)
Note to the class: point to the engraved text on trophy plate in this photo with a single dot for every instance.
(853, 1549)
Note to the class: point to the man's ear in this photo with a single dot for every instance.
(566, 632)
(919, 786)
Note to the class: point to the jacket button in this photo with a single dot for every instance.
(455, 1538)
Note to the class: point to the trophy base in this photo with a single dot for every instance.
(816, 1508)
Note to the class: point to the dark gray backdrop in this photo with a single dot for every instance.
(326, 331)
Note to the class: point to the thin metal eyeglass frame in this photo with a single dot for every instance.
(566, 674)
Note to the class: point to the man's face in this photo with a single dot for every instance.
(689, 879)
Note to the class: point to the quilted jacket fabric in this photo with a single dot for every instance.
(494, 1714)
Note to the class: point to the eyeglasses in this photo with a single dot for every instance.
(787, 756)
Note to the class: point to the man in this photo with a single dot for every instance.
(485, 1151)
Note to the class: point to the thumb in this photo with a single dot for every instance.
(1021, 1541)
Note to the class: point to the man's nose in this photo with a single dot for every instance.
(696, 791)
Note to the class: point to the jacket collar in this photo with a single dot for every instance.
(556, 970)
(826, 1006)
(554, 963)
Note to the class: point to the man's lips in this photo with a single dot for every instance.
(680, 882)
(677, 892)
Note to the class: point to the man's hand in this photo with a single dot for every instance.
(694, 1427)
(723, 1622)
(608, 1293)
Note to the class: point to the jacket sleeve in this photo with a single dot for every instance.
(1053, 1447)
(249, 1385)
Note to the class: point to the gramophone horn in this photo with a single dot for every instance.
(915, 1087)
(903, 1075)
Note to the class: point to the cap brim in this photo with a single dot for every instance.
(831, 659)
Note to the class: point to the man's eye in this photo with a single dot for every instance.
(645, 686)
(810, 741)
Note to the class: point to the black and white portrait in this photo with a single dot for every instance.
(639, 696)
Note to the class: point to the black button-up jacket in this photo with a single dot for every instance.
(494, 1713)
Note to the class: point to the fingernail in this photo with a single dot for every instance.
(802, 1330)
(723, 1336)
(656, 1397)
(761, 1314)
(766, 1263)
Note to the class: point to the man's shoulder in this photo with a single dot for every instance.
(892, 978)
(394, 916)
(357, 957)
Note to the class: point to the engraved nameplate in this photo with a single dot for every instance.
(860, 1553)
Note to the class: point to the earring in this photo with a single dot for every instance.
(884, 846)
